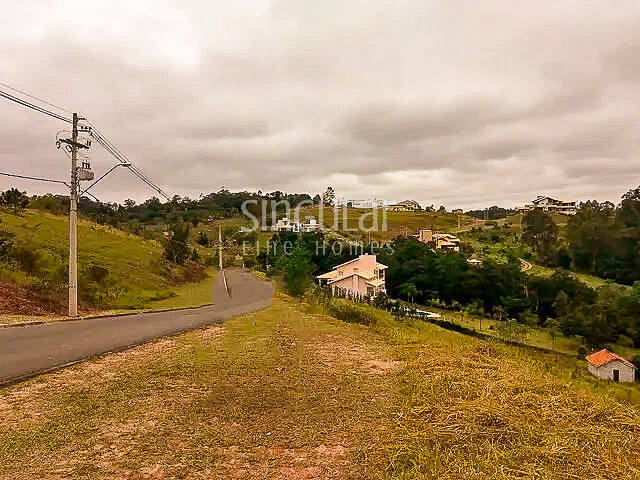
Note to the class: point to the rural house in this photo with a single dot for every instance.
(442, 241)
(404, 206)
(361, 276)
(551, 205)
(607, 365)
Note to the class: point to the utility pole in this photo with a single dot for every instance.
(220, 246)
(77, 174)
(73, 222)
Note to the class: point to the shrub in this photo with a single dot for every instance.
(352, 313)
(582, 351)
(27, 258)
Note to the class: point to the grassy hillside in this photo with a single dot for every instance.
(135, 272)
(292, 393)
(396, 222)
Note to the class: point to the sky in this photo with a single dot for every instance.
(458, 103)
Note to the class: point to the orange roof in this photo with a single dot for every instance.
(604, 356)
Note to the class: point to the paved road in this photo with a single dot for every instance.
(25, 351)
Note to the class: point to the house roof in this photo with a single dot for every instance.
(329, 275)
(379, 265)
(604, 356)
(376, 282)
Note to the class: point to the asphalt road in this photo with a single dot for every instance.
(26, 351)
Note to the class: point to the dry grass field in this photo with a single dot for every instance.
(290, 393)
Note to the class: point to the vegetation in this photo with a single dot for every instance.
(117, 269)
(540, 232)
(15, 199)
(294, 393)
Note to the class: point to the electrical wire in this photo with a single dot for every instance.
(36, 98)
(22, 102)
(102, 140)
(27, 177)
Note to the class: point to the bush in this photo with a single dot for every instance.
(352, 313)
(582, 351)
(27, 258)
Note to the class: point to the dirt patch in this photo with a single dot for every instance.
(16, 300)
(381, 367)
(211, 333)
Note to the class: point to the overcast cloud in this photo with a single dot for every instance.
(459, 103)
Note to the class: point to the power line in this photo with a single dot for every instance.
(102, 140)
(24, 103)
(36, 98)
(27, 177)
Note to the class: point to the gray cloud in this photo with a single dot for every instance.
(457, 103)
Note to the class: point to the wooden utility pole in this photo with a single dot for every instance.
(73, 223)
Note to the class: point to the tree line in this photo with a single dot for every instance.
(601, 239)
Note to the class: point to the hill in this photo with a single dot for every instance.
(116, 269)
(290, 392)
(396, 222)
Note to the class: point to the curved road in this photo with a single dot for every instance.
(30, 350)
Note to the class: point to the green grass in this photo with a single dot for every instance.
(396, 222)
(132, 262)
(537, 337)
(189, 295)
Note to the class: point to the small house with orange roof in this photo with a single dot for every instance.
(607, 365)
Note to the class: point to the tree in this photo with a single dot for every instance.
(329, 197)
(203, 239)
(317, 199)
(553, 327)
(541, 233)
(296, 269)
(177, 250)
(409, 290)
(15, 199)
(513, 331)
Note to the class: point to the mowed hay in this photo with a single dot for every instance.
(477, 411)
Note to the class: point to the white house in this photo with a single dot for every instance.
(404, 206)
(360, 276)
(607, 365)
(551, 205)
(286, 225)
(311, 225)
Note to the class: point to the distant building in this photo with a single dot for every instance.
(607, 365)
(362, 276)
(311, 225)
(425, 236)
(474, 261)
(286, 225)
(441, 241)
(459, 211)
(551, 205)
(404, 206)
(365, 204)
